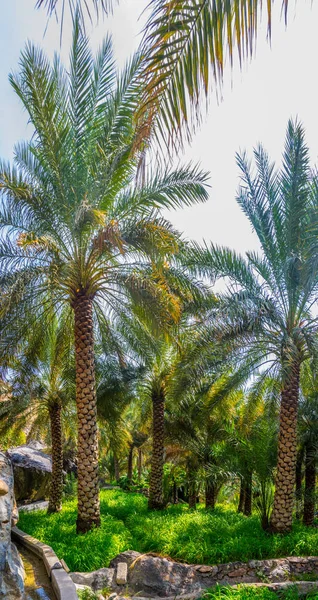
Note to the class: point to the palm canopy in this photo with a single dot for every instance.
(267, 308)
(266, 317)
(184, 48)
(77, 229)
(72, 216)
(40, 376)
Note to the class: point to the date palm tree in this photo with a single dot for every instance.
(42, 398)
(308, 433)
(265, 316)
(184, 47)
(77, 228)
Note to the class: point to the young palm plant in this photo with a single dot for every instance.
(76, 227)
(265, 316)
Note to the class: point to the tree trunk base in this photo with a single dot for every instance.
(154, 505)
(85, 525)
(53, 509)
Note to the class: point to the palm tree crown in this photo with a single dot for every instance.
(77, 229)
(266, 316)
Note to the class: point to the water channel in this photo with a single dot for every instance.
(37, 583)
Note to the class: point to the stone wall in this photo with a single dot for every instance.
(152, 576)
(11, 567)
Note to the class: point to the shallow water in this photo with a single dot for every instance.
(37, 583)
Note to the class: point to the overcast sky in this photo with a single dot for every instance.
(280, 82)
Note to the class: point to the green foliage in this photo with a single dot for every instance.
(133, 485)
(250, 593)
(193, 536)
(87, 595)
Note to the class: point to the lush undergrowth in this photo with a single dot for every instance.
(240, 593)
(193, 536)
(253, 593)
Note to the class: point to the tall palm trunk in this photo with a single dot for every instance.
(282, 515)
(175, 498)
(139, 464)
(210, 494)
(299, 480)
(192, 484)
(56, 490)
(241, 503)
(130, 463)
(116, 467)
(310, 483)
(87, 444)
(156, 500)
(192, 494)
(247, 510)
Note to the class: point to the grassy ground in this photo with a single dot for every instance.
(250, 593)
(241, 593)
(192, 536)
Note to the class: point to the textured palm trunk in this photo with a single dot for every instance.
(310, 483)
(56, 490)
(299, 481)
(210, 494)
(116, 467)
(241, 503)
(282, 514)
(156, 500)
(139, 464)
(248, 495)
(175, 498)
(130, 464)
(192, 493)
(87, 443)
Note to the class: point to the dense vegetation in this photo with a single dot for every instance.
(200, 536)
(117, 351)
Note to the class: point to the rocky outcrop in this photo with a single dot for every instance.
(11, 567)
(32, 472)
(97, 580)
(154, 576)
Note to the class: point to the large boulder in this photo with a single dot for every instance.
(11, 566)
(32, 472)
(152, 576)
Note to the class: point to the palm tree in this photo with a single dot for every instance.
(265, 317)
(42, 396)
(184, 48)
(308, 432)
(76, 226)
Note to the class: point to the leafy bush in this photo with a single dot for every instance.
(193, 536)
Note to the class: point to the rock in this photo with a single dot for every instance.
(96, 580)
(121, 573)
(127, 557)
(11, 566)
(32, 472)
(158, 576)
(4, 488)
(82, 588)
(238, 573)
(280, 573)
(112, 596)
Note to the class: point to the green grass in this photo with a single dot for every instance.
(192, 536)
(253, 593)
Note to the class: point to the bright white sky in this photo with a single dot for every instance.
(280, 82)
